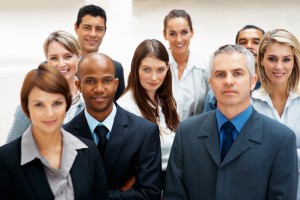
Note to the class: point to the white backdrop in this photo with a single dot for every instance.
(26, 23)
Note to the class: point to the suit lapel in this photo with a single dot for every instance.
(36, 174)
(116, 140)
(209, 129)
(251, 132)
(81, 127)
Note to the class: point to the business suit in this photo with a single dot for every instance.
(261, 164)
(119, 73)
(133, 149)
(29, 181)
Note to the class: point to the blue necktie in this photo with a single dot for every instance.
(228, 139)
(101, 132)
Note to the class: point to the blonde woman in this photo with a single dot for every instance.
(62, 51)
(278, 68)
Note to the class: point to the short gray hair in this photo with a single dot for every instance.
(230, 49)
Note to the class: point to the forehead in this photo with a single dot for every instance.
(152, 62)
(250, 33)
(91, 20)
(229, 62)
(41, 95)
(177, 23)
(96, 68)
(277, 48)
(56, 47)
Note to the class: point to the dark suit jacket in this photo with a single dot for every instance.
(261, 164)
(120, 75)
(30, 182)
(133, 149)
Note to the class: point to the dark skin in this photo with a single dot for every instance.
(97, 83)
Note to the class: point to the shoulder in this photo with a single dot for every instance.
(197, 121)
(117, 64)
(127, 102)
(11, 151)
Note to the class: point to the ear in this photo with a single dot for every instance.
(78, 85)
(76, 28)
(116, 83)
(210, 83)
(253, 81)
(165, 36)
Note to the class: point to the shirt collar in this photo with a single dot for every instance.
(108, 122)
(29, 150)
(239, 121)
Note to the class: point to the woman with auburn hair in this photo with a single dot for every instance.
(47, 162)
(189, 76)
(149, 92)
(62, 51)
(278, 68)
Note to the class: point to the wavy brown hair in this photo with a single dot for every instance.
(153, 48)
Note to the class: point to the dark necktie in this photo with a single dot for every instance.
(101, 133)
(228, 140)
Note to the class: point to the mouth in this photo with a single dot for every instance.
(179, 45)
(99, 99)
(50, 122)
(278, 75)
(153, 84)
(92, 42)
(64, 71)
(229, 92)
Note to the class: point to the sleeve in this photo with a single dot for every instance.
(148, 170)
(174, 186)
(284, 176)
(120, 75)
(6, 185)
(20, 124)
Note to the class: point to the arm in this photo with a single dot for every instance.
(174, 186)
(19, 126)
(120, 75)
(148, 170)
(6, 185)
(284, 175)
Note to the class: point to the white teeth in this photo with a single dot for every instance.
(278, 74)
(179, 45)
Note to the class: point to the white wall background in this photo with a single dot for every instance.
(26, 23)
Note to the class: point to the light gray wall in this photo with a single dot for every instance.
(26, 23)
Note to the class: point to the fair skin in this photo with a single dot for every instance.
(65, 61)
(250, 39)
(90, 32)
(152, 73)
(278, 62)
(47, 112)
(231, 83)
(179, 34)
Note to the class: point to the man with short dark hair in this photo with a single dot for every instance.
(90, 28)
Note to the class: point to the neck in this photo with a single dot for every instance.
(73, 87)
(181, 58)
(47, 141)
(100, 115)
(232, 111)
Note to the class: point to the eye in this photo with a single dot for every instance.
(68, 57)
(147, 69)
(53, 58)
(185, 32)
(108, 80)
(238, 74)
(38, 105)
(89, 81)
(160, 70)
(219, 75)
(286, 59)
(273, 59)
(86, 27)
(99, 29)
(242, 43)
(172, 34)
(57, 103)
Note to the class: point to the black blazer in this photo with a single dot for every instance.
(120, 75)
(30, 182)
(133, 149)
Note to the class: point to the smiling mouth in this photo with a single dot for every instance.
(278, 75)
(99, 99)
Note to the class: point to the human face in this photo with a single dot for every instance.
(152, 73)
(90, 33)
(98, 85)
(231, 82)
(47, 111)
(63, 60)
(250, 39)
(278, 63)
(179, 34)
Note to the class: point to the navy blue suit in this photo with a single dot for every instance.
(133, 150)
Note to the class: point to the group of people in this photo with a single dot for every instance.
(177, 131)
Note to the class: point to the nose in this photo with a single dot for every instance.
(249, 45)
(49, 111)
(92, 32)
(279, 64)
(99, 87)
(178, 38)
(229, 79)
(61, 62)
(153, 76)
